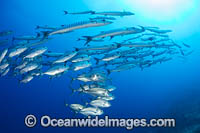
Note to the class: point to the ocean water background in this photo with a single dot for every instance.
(151, 93)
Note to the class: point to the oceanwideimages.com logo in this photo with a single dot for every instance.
(47, 121)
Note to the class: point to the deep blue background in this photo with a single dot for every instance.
(140, 94)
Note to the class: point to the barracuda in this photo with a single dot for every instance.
(116, 32)
(79, 13)
(114, 13)
(79, 25)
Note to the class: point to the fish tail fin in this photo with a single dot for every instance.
(111, 37)
(38, 35)
(45, 34)
(108, 71)
(97, 60)
(76, 49)
(118, 45)
(72, 79)
(93, 12)
(37, 27)
(88, 39)
(66, 12)
(82, 87)
(142, 28)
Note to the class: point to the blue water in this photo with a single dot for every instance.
(150, 93)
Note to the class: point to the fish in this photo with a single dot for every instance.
(186, 45)
(97, 91)
(19, 44)
(6, 33)
(3, 54)
(53, 54)
(22, 65)
(128, 50)
(79, 13)
(113, 33)
(107, 98)
(102, 18)
(5, 72)
(114, 13)
(155, 34)
(121, 68)
(148, 46)
(102, 47)
(91, 111)
(80, 25)
(56, 70)
(29, 67)
(83, 88)
(137, 45)
(100, 103)
(44, 27)
(189, 53)
(80, 58)
(111, 88)
(93, 90)
(28, 38)
(95, 40)
(36, 52)
(42, 41)
(76, 107)
(159, 53)
(92, 76)
(168, 46)
(67, 56)
(80, 65)
(149, 38)
(17, 51)
(108, 57)
(98, 77)
(4, 65)
(159, 60)
(83, 78)
(133, 38)
(27, 78)
(161, 40)
(158, 30)
(167, 59)
(148, 53)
